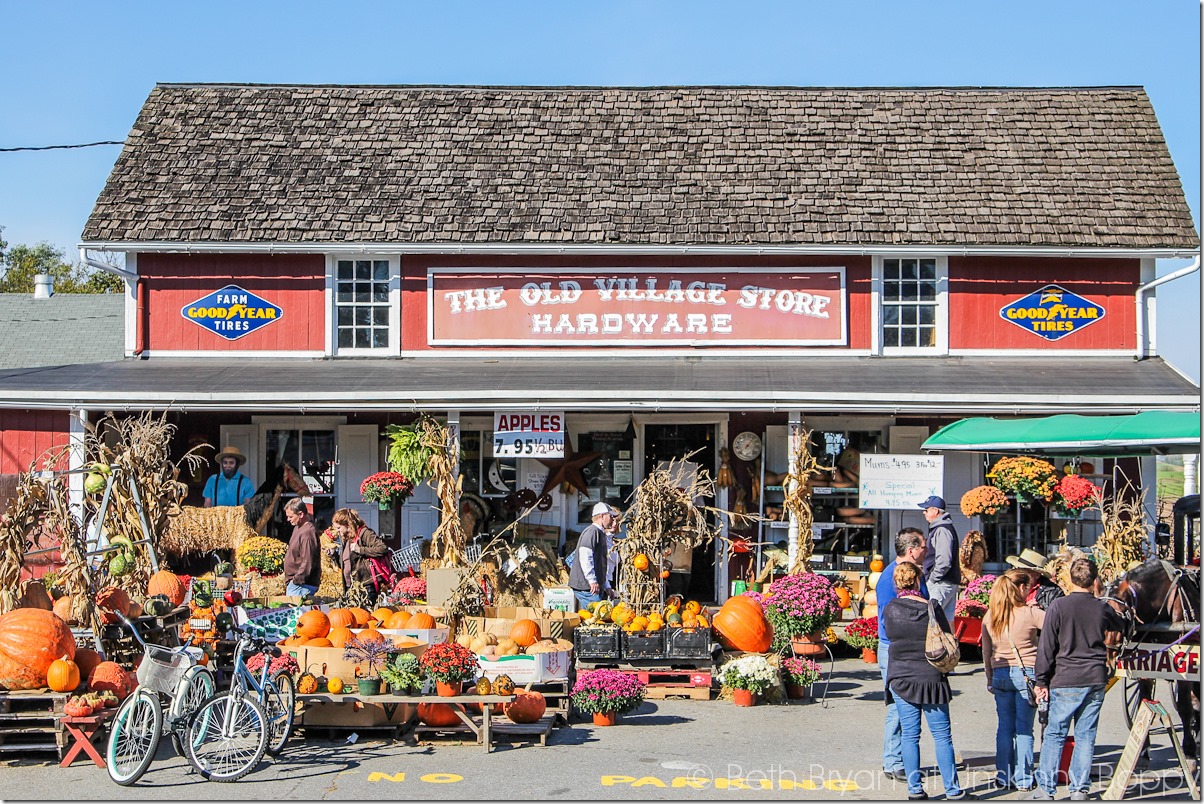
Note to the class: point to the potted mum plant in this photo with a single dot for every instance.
(372, 652)
(800, 608)
(606, 694)
(987, 502)
(386, 489)
(450, 664)
(799, 675)
(748, 676)
(403, 674)
(863, 633)
(968, 614)
(1025, 477)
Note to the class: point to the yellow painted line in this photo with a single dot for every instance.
(429, 778)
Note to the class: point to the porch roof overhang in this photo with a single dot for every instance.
(1155, 432)
(578, 382)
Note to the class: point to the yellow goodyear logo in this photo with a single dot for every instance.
(232, 312)
(1052, 312)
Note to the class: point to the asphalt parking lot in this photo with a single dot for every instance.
(674, 749)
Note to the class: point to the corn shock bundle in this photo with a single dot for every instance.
(798, 498)
(1125, 537)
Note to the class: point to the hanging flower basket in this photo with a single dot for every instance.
(984, 501)
(1027, 478)
(1073, 494)
(386, 489)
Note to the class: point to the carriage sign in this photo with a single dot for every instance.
(1154, 661)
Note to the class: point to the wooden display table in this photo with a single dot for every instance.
(83, 731)
(479, 723)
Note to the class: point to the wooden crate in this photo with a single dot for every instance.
(556, 693)
(29, 722)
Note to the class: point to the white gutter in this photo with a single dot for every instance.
(1142, 347)
(104, 266)
(616, 248)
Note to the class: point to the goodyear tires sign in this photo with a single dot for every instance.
(1052, 312)
(232, 312)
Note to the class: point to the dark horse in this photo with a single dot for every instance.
(264, 506)
(1153, 596)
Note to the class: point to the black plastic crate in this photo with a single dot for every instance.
(855, 563)
(688, 643)
(823, 561)
(644, 645)
(596, 643)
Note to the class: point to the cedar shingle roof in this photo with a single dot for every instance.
(1084, 167)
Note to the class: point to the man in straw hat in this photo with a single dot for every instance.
(230, 486)
(1042, 590)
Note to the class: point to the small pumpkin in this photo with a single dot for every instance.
(62, 608)
(313, 624)
(526, 633)
(527, 707)
(545, 645)
(421, 621)
(157, 606)
(503, 685)
(307, 683)
(843, 596)
(165, 582)
(110, 676)
(334, 686)
(341, 618)
(484, 686)
(75, 707)
(86, 660)
(63, 675)
(640, 562)
(877, 564)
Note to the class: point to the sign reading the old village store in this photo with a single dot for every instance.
(721, 307)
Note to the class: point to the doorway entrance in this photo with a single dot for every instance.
(666, 442)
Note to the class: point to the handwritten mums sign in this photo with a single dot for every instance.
(719, 307)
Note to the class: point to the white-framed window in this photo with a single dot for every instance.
(365, 309)
(911, 298)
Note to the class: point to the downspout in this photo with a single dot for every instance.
(128, 276)
(1140, 300)
(133, 279)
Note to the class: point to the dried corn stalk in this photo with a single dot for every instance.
(1125, 537)
(797, 499)
(448, 541)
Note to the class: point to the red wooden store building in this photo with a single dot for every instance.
(669, 267)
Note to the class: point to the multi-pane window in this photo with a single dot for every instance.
(909, 302)
(362, 304)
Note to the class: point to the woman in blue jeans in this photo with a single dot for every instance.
(918, 689)
(1011, 631)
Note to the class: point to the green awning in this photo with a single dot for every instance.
(1150, 433)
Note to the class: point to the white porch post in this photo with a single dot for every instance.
(78, 432)
(796, 433)
(1189, 473)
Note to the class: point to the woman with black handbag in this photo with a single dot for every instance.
(918, 682)
(1011, 631)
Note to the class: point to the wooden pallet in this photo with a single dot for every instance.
(29, 722)
(556, 694)
(659, 692)
(501, 729)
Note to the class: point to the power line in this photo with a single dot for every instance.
(60, 147)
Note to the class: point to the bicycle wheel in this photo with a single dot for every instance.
(224, 752)
(280, 702)
(194, 688)
(134, 737)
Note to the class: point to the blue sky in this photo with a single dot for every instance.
(78, 72)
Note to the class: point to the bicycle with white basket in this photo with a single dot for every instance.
(137, 728)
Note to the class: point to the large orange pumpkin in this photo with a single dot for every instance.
(437, 714)
(86, 660)
(63, 675)
(526, 633)
(110, 676)
(30, 641)
(369, 634)
(382, 614)
(843, 596)
(338, 636)
(111, 599)
(741, 625)
(319, 642)
(527, 707)
(167, 583)
(421, 621)
(398, 620)
(362, 616)
(341, 618)
(313, 624)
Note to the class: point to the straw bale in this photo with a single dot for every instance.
(204, 530)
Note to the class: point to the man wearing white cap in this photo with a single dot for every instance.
(589, 578)
(229, 486)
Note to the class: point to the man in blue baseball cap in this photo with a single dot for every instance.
(942, 569)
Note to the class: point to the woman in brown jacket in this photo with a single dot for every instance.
(1011, 631)
(359, 545)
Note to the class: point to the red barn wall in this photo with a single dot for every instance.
(25, 435)
(980, 286)
(414, 290)
(295, 283)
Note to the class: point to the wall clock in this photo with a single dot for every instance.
(747, 446)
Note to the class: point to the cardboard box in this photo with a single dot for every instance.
(560, 598)
(357, 714)
(498, 620)
(329, 662)
(441, 582)
(528, 669)
(431, 636)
